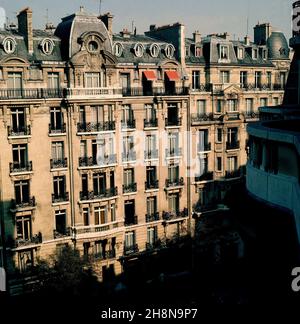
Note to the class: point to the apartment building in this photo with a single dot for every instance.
(114, 143)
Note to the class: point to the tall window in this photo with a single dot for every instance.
(128, 145)
(219, 107)
(224, 76)
(249, 105)
(219, 135)
(152, 235)
(83, 148)
(18, 119)
(57, 149)
(263, 102)
(128, 177)
(53, 80)
(100, 214)
(97, 114)
(127, 114)
(56, 118)
(20, 157)
(173, 173)
(151, 205)
(269, 79)
(14, 80)
(243, 78)
(113, 212)
(60, 221)
(282, 78)
(86, 216)
(92, 80)
(59, 186)
(22, 191)
(257, 79)
(23, 226)
(173, 139)
(201, 107)
(151, 176)
(219, 163)
(224, 52)
(232, 135)
(203, 140)
(195, 80)
(150, 113)
(130, 239)
(99, 183)
(150, 145)
(232, 163)
(232, 104)
(254, 54)
(173, 202)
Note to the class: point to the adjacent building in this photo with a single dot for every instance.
(114, 143)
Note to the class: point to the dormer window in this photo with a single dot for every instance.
(198, 51)
(255, 54)
(118, 49)
(187, 51)
(139, 50)
(170, 50)
(47, 46)
(265, 54)
(240, 53)
(92, 46)
(9, 45)
(224, 52)
(154, 50)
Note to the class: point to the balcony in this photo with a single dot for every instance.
(133, 249)
(202, 208)
(251, 115)
(37, 93)
(64, 197)
(202, 88)
(17, 167)
(173, 183)
(168, 216)
(62, 234)
(93, 93)
(204, 147)
(94, 230)
(131, 221)
(233, 174)
(128, 124)
(173, 122)
(28, 203)
(207, 176)
(129, 188)
(58, 163)
(19, 131)
(57, 130)
(129, 157)
(151, 155)
(200, 118)
(262, 87)
(152, 217)
(96, 127)
(36, 239)
(156, 245)
(152, 185)
(91, 195)
(174, 152)
(234, 145)
(156, 91)
(105, 255)
(151, 123)
(87, 162)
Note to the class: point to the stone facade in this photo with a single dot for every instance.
(114, 144)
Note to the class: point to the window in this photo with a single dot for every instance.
(269, 79)
(173, 143)
(23, 226)
(82, 115)
(219, 135)
(224, 52)
(26, 260)
(249, 105)
(232, 104)
(56, 118)
(173, 173)
(99, 183)
(14, 80)
(93, 46)
(219, 163)
(170, 50)
(118, 49)
(198, 51)
(243, 78)
(151, 205)
(57, 151)
(139, 50)
(53, 80)
(86, 216)
(224, 76)
(201, 107)
(47, 46)
(257, 79)
(20, 156)
(232, 163)
(128, 177)
(60, 221)
(129, 239)
(127, 114)
(9, 45)
(150, 113)
(113, 212)
(59, 186)
(151, 177)
(83, 148)
(276, 101)
(173, 114)
(195, 80)
(151, 235)
(84, 184)
(187, 51)
(265, 54)
(203, 164)
(129, 208)
(100, 214)
(18, 119)
(151, 145)
(219, 107)
(154, 50)
(173, 203)
(254, 54)
(92, 80)
(203, 141)
(240, 53)
(282, 78)
(263, 102)
(22, 192)
(128, 146)
(232, 135)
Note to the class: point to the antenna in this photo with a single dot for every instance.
(132, 26)
(47, 16)
(100, 7)
(248, 14)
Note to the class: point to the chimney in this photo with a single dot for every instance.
(152, 27)
(107, 19)
(261, 33)
(25, 27)
(247, 40)
(125, 33)
(197, 37)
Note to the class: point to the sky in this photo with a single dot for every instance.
(207, 16)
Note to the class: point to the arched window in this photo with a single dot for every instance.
(139, 50)
(9, 45)
(118, 49)
(170, 50)
(154, 50)
(47, 46)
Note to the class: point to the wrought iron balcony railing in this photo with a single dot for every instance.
(57, 129)
(150, 123)
(175, 214)
(64, 197)
(67, 232)
(173, 122)
(130, 221)
(152, 217)
(129, 156)
(128, 124)
(197, 118)
(36, 239)
(96, 127)
(179, 182)
(128, 188)
(16, 167)
(150, 155)
(132, 249)
(101, 161)
(234, 145)
(25, 203)
(58, 163)
(92, 195)
(155, 91)
(38, 93)
(207, 176)
(105, 255)
(233, 174)
(19, 131)
(149, 185)
(205, 147)
(174, 152)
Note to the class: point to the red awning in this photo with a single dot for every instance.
(150, 75)
(172, 75)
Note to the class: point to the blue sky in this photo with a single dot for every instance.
(207, 16)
